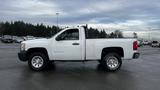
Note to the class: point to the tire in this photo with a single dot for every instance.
(38, 61)
(99, 61)
(111, 62)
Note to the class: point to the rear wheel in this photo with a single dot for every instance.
(111, 62)
(100, 61)
(38, 61)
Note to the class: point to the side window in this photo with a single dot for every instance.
(71, 34)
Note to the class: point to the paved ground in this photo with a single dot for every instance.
(140, 74)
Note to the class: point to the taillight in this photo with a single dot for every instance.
(135, 45)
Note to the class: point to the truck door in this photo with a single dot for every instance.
(67, 45)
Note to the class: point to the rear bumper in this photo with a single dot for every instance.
(136, 55)
(22, 55)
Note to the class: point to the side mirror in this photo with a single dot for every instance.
(58, 39)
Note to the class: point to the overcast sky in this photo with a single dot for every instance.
(106, 13)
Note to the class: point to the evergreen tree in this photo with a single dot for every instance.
(19, 28)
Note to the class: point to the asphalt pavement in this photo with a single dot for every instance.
(139, 74)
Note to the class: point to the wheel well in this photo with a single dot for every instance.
(32, 50)
(117, 50)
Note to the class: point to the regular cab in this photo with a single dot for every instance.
(73, 44)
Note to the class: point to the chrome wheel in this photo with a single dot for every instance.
(37, 61)
(112, 62)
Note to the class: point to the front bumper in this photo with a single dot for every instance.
(136, 55)
(22, 55)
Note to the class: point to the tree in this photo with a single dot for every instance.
(103, 34)
(19, 28)
(112, 35)
(118, 34)
(1, 28)
(135, 35)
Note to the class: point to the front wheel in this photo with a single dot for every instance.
(38, 61)
(111, 62)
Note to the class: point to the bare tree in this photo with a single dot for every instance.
(118, 34)
(135, 35)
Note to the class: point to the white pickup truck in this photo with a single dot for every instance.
(72, 44)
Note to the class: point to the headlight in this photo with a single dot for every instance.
(23, 46)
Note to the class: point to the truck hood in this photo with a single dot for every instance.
(36, 41)
(43, 43)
